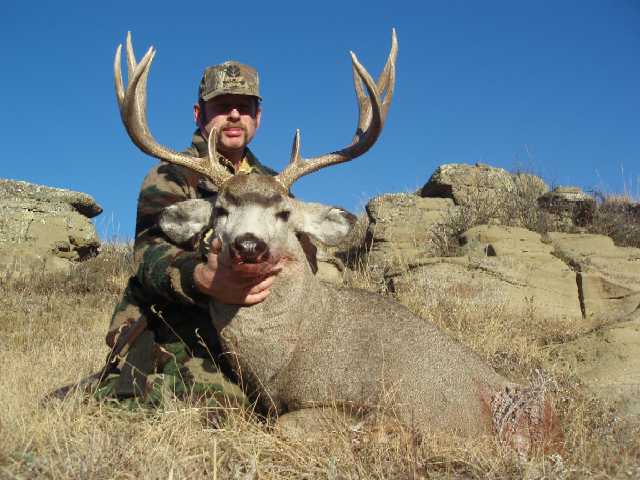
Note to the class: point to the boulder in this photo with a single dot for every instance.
(45, 227)
(467, 183)
(57, 198)
(399, 231)
(482, 185)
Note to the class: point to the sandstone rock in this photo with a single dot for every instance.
(529, 184)
(569, 205)
(502, 241)
(506, 269)
(607, 362)
(19, 259)
(38, 222)
(569, 277)
(467, 183)
(608, 276)
(399, 230)
(479, 183)
(330, 269)
(81, 202)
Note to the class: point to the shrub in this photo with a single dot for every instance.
(618, 217)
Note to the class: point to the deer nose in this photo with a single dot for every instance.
(250, 249)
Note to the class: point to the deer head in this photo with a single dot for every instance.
(254, 215)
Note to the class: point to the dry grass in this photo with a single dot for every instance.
(617, 216)
(51, 333)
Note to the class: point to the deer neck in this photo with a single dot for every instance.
(295, 285)
(262, 338)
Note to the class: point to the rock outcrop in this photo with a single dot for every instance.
(500, 271)
(470, 185)
(607, 276)
(45, 227)
(399, 231)
(568, 277)
(465, 184)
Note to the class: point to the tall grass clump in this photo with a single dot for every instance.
(618, 217)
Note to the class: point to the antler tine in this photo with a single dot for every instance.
(372, 112)
(132, 102)
(295, 148)
(117, 76)
(131, 56)
(387, 81)
(132, 63)
(364, 106)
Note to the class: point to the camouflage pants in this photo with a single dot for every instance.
(162, 354)
(154, 376)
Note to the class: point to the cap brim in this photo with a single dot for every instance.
(231, 91)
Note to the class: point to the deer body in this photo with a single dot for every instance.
(311, 344)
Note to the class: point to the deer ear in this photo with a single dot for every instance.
(329, 225)
(182, 221)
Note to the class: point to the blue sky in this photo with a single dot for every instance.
(549, 86)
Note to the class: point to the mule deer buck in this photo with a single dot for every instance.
(311, 343)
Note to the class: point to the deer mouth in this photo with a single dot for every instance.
(241, 259)
(250, 258)
(253, 266)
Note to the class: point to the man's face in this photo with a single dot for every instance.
(235, 117)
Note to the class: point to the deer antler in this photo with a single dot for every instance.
(372, 112)
(133, 111)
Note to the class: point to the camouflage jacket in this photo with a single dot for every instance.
(164, 270)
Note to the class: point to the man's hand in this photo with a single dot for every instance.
(226, 285)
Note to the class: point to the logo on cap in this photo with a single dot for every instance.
(233, 71)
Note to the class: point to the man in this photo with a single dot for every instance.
(160, 333)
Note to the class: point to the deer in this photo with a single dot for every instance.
(311, 343)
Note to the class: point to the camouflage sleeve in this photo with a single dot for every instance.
(165, 270)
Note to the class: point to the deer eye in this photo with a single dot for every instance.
(220, 212)
(283, 215)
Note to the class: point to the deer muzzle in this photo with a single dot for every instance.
(248, 248)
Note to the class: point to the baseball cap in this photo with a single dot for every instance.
(229, 78)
